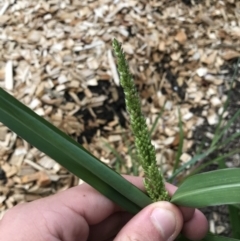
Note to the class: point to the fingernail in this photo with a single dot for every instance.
(165, 222)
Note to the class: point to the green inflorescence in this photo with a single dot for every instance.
(154, 181)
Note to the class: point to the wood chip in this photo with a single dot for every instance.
(9, 75)
(46, 162)
(34, 36)
(57, 59)
(212, 119)
(202, 72)
(113, 68)
(3, 133)
(185, 157)
(230, 54)
(43, 179)
(2, 199)
(215, 101)
(114, 138)
(181, 37)
(30, 178)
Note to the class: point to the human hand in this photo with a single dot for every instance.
(82, 213)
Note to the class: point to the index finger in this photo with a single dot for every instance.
(94, 207)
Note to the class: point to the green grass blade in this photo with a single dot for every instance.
(180, 146)
(234, 215)
(217, 136)
(229, 123)
(229, 139)
(156, 120)
(119, 159)
(217, 159)
(135, 161)
(201, 146)
(134, 158)
(237, 206)
(69, 154)
(234, 212)
(221, 164)
(210, 189)
(191, 162)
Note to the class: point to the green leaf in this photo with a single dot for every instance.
(181, 140)
(153, 128)
(191, 162)
(229, 139)
(218, 132)
(209, 189)
(59, 146)
(119, 159)
(229, 123)
(215, 160)
(234, 216)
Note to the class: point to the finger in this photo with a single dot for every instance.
(87, 202)
(99, 207)
(197, 227)
(160, 221)
(83, 206)
(30, 222)
(186, 212)
(62, 214)
(109, 227)
(193, 219)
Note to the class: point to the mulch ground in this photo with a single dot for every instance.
(56, 57)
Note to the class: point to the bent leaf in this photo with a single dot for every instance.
(209, 189)
(71, 155)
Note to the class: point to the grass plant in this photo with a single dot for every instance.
(217, 143)
(206, 189)
(181, 140)
(131, 150)
(153, 181)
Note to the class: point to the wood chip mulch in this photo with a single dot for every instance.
(56, 58)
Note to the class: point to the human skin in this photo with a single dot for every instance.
(82, 213)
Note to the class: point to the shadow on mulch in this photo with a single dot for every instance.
(105, 112)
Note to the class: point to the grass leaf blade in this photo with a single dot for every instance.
(234, 215)
(180, 146)
(69, 154)
(156, 120)
(190, 162)
(209, 189)
(218, 135)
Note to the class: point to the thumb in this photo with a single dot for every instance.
(160, 221)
